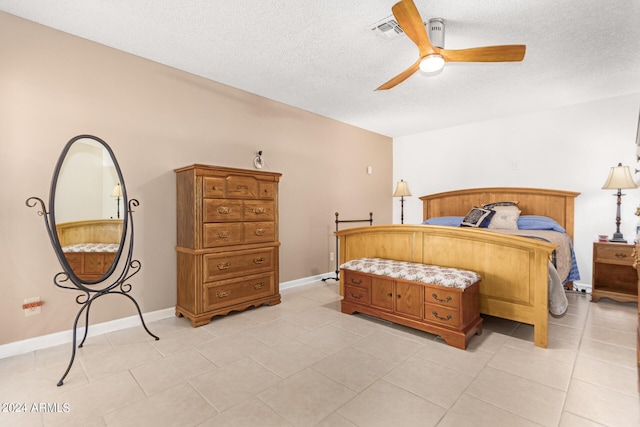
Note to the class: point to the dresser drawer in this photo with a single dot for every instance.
(242, 187)
(258, 210)
(233, 291)
(222, 210)
(213, 186)
(614, 254)
(222, 234)
(267, 190)
(442, 315)
(256, 232)
(442, 296)
(220, 266)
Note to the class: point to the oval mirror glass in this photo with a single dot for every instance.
(87, 202)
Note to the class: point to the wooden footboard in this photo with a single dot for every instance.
(514, 269)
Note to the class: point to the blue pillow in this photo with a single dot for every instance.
(536, 222)
(453, 221)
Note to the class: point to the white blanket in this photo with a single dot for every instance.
(557, 298)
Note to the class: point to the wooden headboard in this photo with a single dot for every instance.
(555, 204)
(90, 231)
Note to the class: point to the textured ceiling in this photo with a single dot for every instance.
(321, 56)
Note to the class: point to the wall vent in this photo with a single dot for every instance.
(388, 28)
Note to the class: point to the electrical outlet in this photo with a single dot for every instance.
(332, 256)
(32, 306)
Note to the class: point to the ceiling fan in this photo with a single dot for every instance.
(432, 57)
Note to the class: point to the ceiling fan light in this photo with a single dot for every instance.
(432, 63)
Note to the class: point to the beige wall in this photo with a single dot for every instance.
(54, 86)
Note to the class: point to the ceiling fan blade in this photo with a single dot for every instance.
(505, 53)
(409, 19)
(400, 77)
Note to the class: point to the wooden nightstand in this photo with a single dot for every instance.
(614, 272)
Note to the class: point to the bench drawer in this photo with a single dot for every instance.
(356, 279)
(442, 296)
(355, 294)
(442, 315)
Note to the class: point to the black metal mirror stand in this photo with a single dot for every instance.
(91, 291)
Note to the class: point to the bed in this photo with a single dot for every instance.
(103, 231)
(515, 269)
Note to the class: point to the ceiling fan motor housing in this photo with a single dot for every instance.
(435, 30)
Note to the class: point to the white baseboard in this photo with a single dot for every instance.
(64, 337)
(582, 287)
(306, 281)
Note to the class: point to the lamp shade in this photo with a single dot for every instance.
(402, 189)
(619, 177)
(117, 191)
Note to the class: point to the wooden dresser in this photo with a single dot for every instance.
(227, 241)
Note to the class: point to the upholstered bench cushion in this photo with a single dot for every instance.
(443, 276)
(92, 247)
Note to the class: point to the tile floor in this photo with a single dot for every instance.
(303, 363)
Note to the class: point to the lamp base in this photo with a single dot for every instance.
(617, 238)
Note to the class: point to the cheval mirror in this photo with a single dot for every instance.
(90, 225)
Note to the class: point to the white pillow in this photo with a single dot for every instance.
(505, 218)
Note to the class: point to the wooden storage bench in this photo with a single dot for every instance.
(440, 300)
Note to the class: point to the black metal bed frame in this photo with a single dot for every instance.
(338, 222)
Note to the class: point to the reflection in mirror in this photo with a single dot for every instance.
(88, 208)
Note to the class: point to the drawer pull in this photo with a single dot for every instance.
(257, 286)
(224, 234)
(444, 319)
(223, 210)
(435, 297)
(389, 294)
(224, 265)
(222, 294)
(242, 187)
(258, 260)
(259, 211)
(355, 282)
(619, 255)
(260, 232)
(354, 296)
